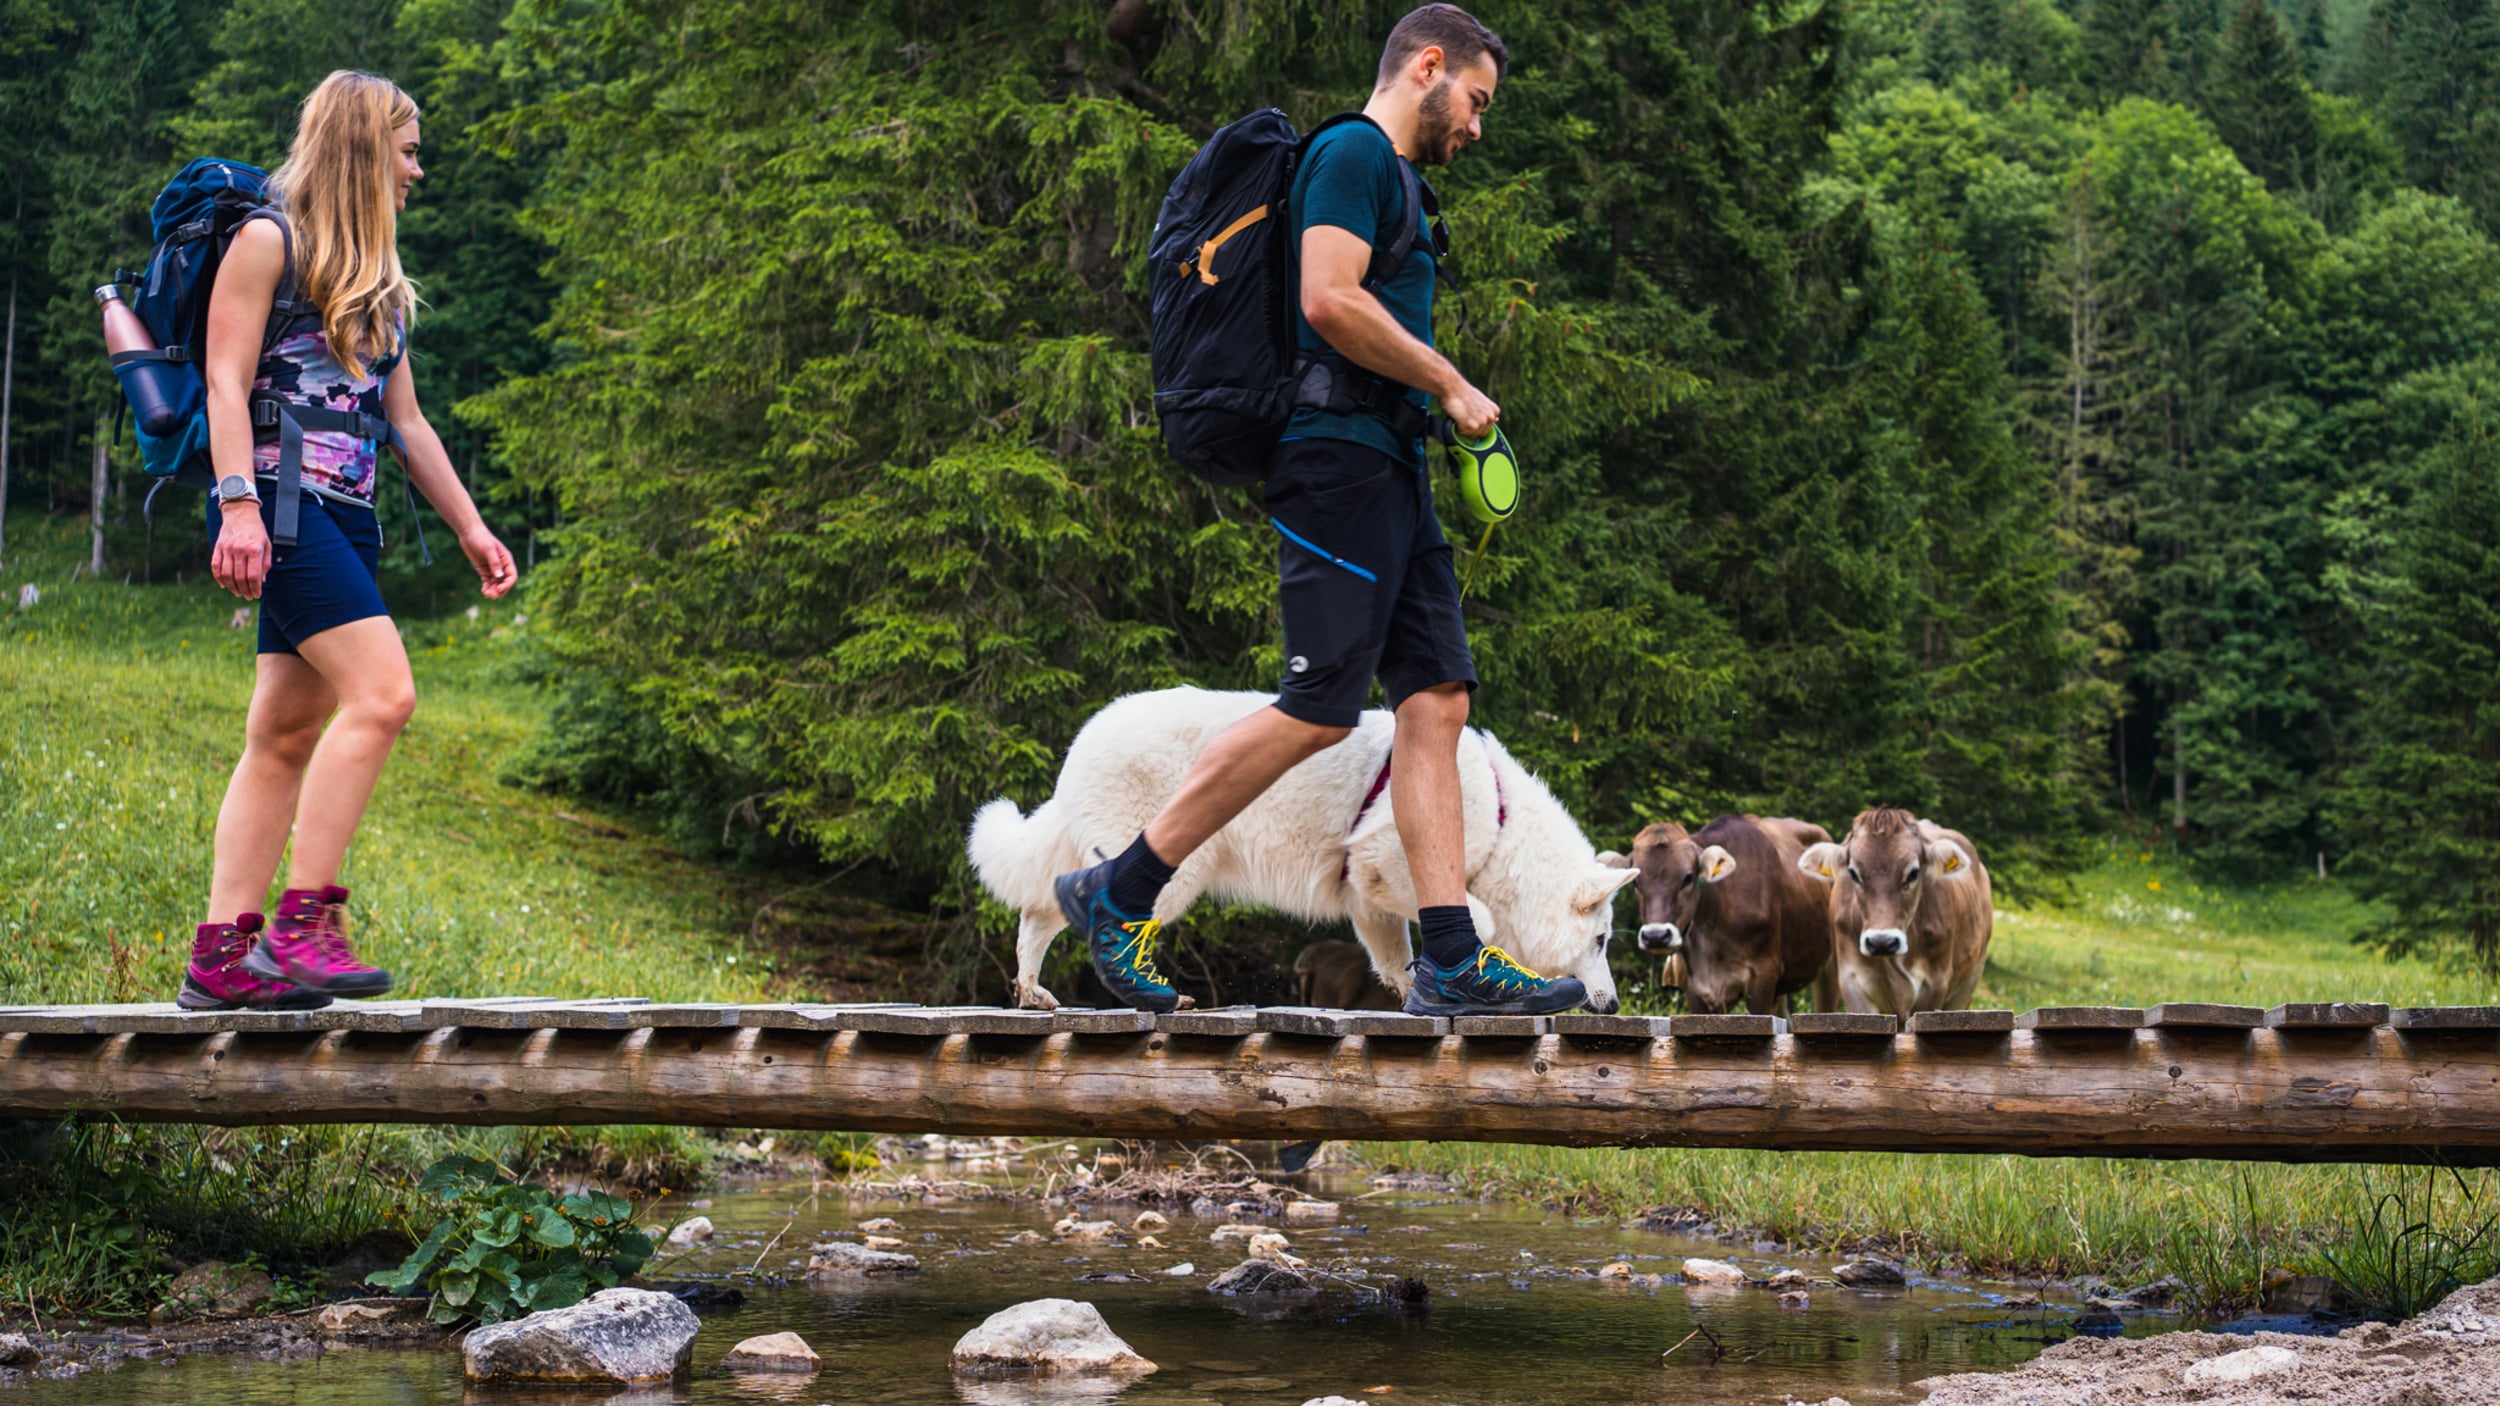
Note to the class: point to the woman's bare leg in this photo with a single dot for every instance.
(364, 663)
(290, 701)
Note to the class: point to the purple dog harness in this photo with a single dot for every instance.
(1380, 787)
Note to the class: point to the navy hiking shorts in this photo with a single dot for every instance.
(1366, 579)
(330, 577)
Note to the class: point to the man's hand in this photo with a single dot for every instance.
(493, 561)
(240, 561)
(1470, 410)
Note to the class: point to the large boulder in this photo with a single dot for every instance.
(1043, 1338)
(1868, 1273)
(1701, 1271)
(844, 1260)
(614, 1337)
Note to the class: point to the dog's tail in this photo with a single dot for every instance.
(1017, 855)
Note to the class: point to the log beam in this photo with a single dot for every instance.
(2294, 1094)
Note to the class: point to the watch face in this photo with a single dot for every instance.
(234, 486)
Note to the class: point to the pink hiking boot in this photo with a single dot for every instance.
(218, 981)
(306, 947)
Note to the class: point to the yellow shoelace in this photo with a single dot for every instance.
(1490, 952)
(1139, 953)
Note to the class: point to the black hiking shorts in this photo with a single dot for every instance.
(1367, 580)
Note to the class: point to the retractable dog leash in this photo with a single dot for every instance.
(1488, 479)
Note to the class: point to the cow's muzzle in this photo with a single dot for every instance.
(1660, 937)
(1883, 942)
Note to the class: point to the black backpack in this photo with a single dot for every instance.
(1226, 373)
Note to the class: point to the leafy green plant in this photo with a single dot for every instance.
(505, 1248)
(2411, 1248)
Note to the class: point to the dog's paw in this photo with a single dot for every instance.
(1034, 997)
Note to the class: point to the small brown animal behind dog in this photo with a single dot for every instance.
(1338, 976)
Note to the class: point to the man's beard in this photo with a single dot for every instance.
(1437, 134)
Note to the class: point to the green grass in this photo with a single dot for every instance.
(2137, 928)
(121, 714)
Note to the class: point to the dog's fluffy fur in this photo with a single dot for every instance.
(1534, 883)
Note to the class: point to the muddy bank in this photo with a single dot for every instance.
(2449, 1356)
(32, 1353)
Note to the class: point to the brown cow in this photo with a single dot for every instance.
(1911, 913)
(1338, 975)
(1730, 906)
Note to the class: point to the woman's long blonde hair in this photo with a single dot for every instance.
(339, 190)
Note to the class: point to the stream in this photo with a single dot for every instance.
(1515, 1315)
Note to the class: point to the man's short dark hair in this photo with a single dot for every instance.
(1462, 39)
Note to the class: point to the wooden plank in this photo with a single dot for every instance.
(946, 1020)
(380, 1017)
(1961, 1022)
(2460, 1018)
(2326, 1015)
(1226, 1021)
(2200, 1015)
(1119, 1020)
(1500, 1027)
(172, 1020)
(1723, 1027)
(528, 1015)
(2374, 1095)
(1826, 1025)
(1582, 1025)
(821, 1019)
(1331, 1023)
(2073, 1019)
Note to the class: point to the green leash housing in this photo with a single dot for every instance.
(1488, 479)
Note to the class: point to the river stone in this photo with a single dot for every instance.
(1712, 1272)
(1046, 1337)
(2303, 1293)
(1858, 1274)
(619, 1336)
(1620, 1269)
(1331, 1401)
(214, 1289)
(1259, 1277)
(1150, 1220)
(17, 1350)
(1075, 1229)
(881, 1225)
(374, 1320)
(1310, 1212)
(690, 1231)
(2245, 1365)
(842, 1259)
(773, 1352)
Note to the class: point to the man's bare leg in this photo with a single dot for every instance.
(1236, 769)
(1423, 790)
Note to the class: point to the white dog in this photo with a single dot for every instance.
(1321, 843)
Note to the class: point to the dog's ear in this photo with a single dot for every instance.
(1601, 886)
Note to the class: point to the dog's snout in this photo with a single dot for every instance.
(1660, 937)
(1603, 1005)
(1883, 942)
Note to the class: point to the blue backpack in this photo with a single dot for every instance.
(194, 219)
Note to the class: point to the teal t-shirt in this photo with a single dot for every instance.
(1350, 179)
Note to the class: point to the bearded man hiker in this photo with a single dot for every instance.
(1365, 576)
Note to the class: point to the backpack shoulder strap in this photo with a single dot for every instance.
(287, 305)
(1386, 259)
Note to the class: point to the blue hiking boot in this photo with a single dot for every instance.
(1492, 984)
(1122, 946)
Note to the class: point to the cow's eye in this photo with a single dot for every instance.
(1912, 876)
(1853, 874)
(1687, 883)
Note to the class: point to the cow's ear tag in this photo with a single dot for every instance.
(1953, 863)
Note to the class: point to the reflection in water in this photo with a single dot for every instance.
(1515, 1315)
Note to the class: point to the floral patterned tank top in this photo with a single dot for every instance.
(301, 367)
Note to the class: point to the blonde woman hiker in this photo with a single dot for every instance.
(333, 688)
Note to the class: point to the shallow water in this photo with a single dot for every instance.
(1507, 1321)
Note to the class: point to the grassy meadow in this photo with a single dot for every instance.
(120, 714)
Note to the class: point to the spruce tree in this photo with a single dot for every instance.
(2258, 102)
(2424, 808)
(2434, 68)
(2131, 48)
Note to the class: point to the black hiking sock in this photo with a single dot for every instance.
(1136, 877)
(1449, 935)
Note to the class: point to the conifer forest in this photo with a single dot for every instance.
(2047, 415)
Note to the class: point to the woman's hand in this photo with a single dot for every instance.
(240, 560)
(493, 560)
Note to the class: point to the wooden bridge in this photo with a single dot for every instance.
(2300, 1083)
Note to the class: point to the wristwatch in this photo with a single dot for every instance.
(235, 487)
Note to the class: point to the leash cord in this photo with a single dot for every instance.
(1475, 557)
